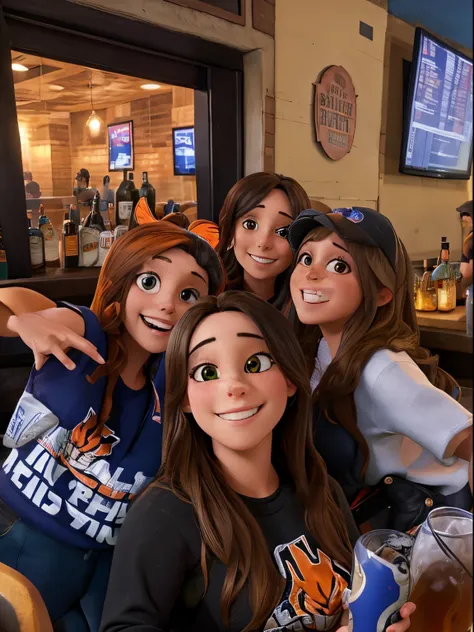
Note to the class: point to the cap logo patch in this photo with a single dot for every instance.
(352, 214)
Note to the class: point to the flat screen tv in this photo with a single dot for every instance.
(437, 135)
(120, 137)
(184, 159)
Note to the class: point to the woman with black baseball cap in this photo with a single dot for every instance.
(352, 291)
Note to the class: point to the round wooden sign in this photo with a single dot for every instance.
(335, 112)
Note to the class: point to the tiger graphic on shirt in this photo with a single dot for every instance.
(313, 595)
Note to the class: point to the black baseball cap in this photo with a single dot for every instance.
(465, 209)
(357, 223)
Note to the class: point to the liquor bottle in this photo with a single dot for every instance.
(445, 277)
(42, 217)
(126, 200)
(148, 190)
(51, 241)
(74, 214)
(3, 259)
(95, 219)
(70, 243)
(36, 248)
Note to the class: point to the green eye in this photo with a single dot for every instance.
(205, 373)
(259, 363)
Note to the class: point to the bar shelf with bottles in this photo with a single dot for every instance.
(435, 290)
(87, 232)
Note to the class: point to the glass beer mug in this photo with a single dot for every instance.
(441, 572)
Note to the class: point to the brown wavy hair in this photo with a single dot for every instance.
(371, 328)
(125, 258)
(241, 199)
(189, 468)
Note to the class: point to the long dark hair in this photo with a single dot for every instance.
(371, 328)
(241, 199)
(228, 529)
(121, 265)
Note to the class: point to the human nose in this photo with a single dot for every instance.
(235, 387)
(315, 272)
(264, 240)
(166, 305)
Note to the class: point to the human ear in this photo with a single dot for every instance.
(384, 296)
(290, 389)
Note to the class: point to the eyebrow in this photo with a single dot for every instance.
(162, 258)
(279, 212)
(198, 275)
(248, 335)
(341, 247)
(201, 344)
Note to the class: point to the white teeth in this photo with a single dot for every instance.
(157, 323)
(262, 259)
(314, 297)
(242, 414)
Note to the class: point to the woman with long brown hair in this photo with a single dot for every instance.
(253, 226)
(243, 530)
(376, 411)
(86, 435)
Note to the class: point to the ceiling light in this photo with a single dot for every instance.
(19, 68)
(150, 86)
(94, 123)
(55, 88)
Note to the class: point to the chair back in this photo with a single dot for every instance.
(22, 604)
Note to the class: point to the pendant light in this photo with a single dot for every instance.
(94, 122)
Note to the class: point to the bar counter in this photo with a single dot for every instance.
(445, 330)
(75, 284)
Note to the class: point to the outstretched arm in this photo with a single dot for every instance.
(19, 300)
(45, 328)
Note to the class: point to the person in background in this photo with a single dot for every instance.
(243, 530)
(253, 226)
(352, 293)
(32, 188)
(466, 267)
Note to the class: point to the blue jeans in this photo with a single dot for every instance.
(72, 581)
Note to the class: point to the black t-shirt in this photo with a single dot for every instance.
(156, 583)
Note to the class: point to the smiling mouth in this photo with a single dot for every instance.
(310, 296)
(158, 325)
(239, 415)
(263, 260)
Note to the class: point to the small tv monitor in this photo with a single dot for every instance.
(184, 159)
(120, 146)
(437, 134)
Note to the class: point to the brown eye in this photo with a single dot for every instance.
(305, 259)
(339, 266)
(250, 224)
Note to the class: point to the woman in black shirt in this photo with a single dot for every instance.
(242, 530)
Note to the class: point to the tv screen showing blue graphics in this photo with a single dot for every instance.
(437, 139)
(183, 151)
(120, 146)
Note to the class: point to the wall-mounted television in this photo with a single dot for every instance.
(437, 134)
(120, 136)
(184, 159)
